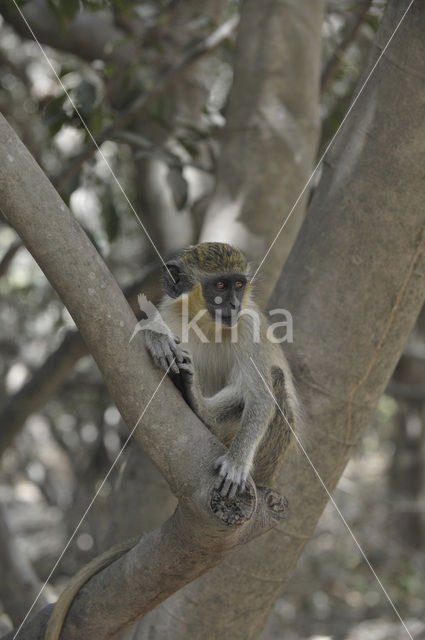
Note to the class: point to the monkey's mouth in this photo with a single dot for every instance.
(230, 320)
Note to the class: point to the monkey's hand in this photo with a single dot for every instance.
(164, 350)
(231, 475)
(191, 388)
(186, 367)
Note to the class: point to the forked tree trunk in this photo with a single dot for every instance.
(272, 118)
(354, 283)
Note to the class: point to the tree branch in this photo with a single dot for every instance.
(51, 375)
(198, 535)
(354, 284)
(40, 387)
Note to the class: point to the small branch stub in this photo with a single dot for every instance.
(238, 510)
(276, 503)
(234, 511)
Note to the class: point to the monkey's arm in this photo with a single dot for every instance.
(223, 407)
(234, 466)
(239, 416)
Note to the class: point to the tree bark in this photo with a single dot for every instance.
(354, 283)
(204, 528)
(270, 137)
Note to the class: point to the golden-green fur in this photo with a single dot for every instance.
(214, 257)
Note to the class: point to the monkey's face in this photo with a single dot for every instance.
(223, 295)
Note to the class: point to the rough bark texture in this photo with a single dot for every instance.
(270, 138)
(355, 284)
(196, 537)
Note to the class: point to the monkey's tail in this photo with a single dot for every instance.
(59, 613)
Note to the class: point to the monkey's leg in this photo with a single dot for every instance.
(216, 411)
(278, 437)
(235, 465)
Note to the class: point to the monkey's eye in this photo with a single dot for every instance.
(219, 284)
(238, 284)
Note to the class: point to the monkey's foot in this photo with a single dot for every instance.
(231, 476)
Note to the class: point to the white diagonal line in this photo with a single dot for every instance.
(92, 501)
(333, 502)
(83, 122)
(332, 140)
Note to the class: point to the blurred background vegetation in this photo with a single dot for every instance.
(159, 130)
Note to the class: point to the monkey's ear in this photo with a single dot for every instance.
(176, 280)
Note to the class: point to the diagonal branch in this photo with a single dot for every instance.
(56, 368)
(185, 547)
(197, 536)
(354, 280)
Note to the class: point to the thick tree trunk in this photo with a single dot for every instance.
(354, 283)
(269, 142)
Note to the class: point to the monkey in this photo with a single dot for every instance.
(209, 283)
